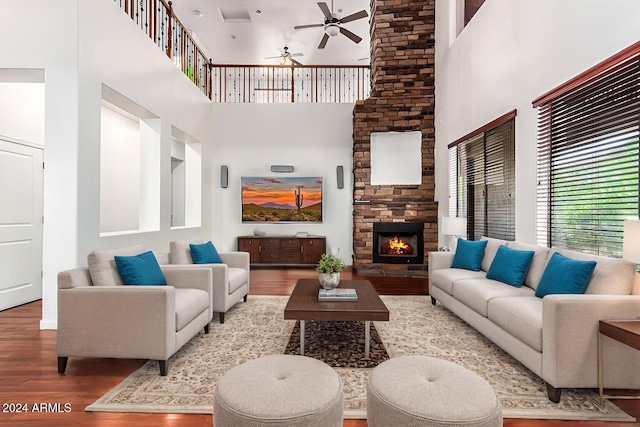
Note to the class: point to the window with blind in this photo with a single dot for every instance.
(482, 179)
(588, 157)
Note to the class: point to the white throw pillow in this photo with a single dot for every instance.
(102, 266)
(180, 252)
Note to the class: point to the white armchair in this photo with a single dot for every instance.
(98, 316)
(230, 280)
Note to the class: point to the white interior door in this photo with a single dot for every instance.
(21, 182)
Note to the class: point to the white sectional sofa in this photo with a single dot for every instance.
(555, 336)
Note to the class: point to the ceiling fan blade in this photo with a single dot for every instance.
(297, 54)
(323, 42)
(325, 10)
(297, 27)
(273, 57)
(349, 34)
(296, 62)
(354, 16)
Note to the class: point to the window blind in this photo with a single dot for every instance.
(500, 171)
(453, 167)
(482, 170)
(588, 161)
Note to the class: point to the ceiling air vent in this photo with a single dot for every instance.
(235, 15)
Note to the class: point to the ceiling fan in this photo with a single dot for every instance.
(286, 57)
(332, 24)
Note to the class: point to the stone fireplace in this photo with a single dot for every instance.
(402, 100)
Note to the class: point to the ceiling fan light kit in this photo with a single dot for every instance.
(332, 30)
(332, 24)
(286, 57)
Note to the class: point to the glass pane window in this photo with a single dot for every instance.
(482, 181)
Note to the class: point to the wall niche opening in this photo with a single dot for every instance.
(186, 180)
(129, 166)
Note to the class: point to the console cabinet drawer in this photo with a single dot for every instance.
(270, 243)
(289, 257)
(290, 244)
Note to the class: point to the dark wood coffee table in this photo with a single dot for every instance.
(303, 305)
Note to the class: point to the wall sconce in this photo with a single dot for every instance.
(340, 176)
(224, 176)
(454, 227)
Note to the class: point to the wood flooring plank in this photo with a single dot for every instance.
(28, 367)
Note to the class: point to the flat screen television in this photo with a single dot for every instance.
(276, 199)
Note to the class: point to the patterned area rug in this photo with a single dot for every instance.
(338, 344)
(257, 328)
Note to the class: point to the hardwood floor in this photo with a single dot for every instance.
(28, 369)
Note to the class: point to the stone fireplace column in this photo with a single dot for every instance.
(402, 99)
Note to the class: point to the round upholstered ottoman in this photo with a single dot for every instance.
(279, 390)
(425, 391)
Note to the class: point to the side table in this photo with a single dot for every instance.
(625, 331)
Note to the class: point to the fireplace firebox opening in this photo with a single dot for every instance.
(398, 243)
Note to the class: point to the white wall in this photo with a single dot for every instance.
(151, 189)
(119, 172)
(22, 109)
(314, 138)
(114, 52)
(189, 151)
(194, 191)
(178, 182)
(49, 42)
(509, 54)
(82, 44)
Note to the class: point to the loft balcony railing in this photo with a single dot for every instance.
(157, 19)
(287, 84)
(244, 83)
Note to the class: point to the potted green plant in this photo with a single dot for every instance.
(329, 268)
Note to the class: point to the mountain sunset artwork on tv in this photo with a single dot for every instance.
(275, 199)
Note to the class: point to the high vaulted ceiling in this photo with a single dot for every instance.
(268, 27)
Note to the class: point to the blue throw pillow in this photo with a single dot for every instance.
(205, 254)
(469, 254)
(140, 269)
(510, 266)
(564, 275)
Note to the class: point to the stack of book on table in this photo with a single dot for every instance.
(338, 294)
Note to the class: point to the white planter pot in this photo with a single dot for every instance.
(329, 280)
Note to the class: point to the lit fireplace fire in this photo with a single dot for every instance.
(396, 246)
